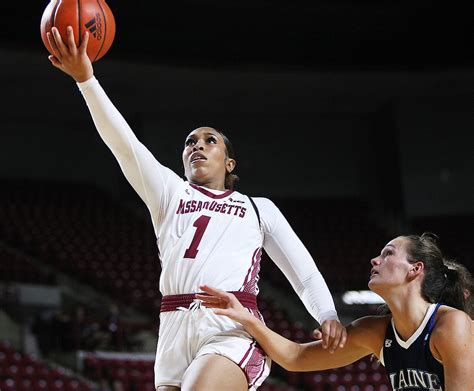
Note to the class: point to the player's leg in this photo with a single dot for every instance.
(173, 355)
(214, 372)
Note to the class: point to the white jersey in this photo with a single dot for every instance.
(209, 238)
(206, 236)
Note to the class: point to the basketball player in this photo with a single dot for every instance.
(206, 232)
(426, 342)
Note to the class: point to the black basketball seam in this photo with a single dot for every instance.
(105, 30)
(79, 32)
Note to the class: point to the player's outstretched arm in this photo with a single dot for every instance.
(291, 355)
(289, 253)
(153, 182)
(453, 341)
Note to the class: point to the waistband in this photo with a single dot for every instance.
(172, 302)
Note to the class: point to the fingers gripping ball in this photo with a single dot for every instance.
(94, 16)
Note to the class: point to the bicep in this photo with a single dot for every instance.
(455, 344)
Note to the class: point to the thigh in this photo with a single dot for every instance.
(175, 350)
(241, 349)
(214, 372)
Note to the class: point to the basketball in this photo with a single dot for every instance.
(92, 15)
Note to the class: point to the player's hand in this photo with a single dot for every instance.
(68, 57)
(223, 303)
(332, 333)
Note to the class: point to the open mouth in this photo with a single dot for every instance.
(197, 157)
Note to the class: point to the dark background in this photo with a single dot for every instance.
(326, 98)
(319, 35)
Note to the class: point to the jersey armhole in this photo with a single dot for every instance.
(256, 211)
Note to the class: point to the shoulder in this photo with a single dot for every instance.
(453, 330)
(450, 320)
(267, 209)
(264, 203)
(270, 215)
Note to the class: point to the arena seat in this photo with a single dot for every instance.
(84, 233)
(26, 373)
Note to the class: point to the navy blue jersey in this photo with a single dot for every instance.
(410, 364)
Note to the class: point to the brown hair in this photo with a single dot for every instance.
(442, 282)
(465, 289)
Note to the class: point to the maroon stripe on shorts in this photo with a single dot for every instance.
(255, 365)
(172, 302)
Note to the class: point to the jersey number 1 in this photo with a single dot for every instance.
(201, 225)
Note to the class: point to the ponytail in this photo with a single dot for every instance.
(445, 281)
(459, 287)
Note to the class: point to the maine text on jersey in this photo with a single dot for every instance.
(411, 379)
(213, 206)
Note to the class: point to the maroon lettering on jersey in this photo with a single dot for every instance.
(192, 206)
(188, 205)
(180, 209)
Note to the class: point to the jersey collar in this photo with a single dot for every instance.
(406, 344)
(208, 193)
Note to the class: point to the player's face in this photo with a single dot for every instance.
(205, 159)
(391, 267)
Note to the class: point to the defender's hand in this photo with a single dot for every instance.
(224, 303)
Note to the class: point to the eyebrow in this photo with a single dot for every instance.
(207, 134)
(388, 245)
(193, 136)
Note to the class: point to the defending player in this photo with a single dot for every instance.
(426, 343)
(206, 232)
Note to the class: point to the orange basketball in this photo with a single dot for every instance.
(92, 15)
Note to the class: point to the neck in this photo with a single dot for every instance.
(210, 185)
(408, 310)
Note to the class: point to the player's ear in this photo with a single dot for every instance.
(416, 269)
(229, 164)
